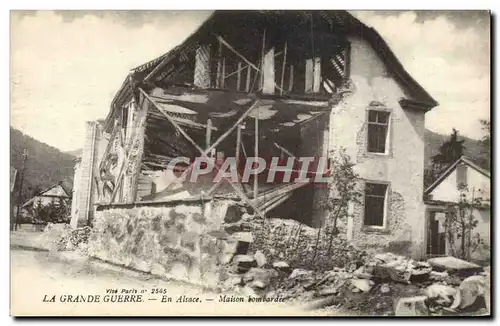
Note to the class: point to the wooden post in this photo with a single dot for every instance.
(283, 69)
(268, 84)
(290, 84)
(223, 74)
(316, 75)
(249, 73)
(255, 181)
(238, 145)
(261, 74)
(238, 80)
(138, 160)
(209, 133)
(219, 67)
(309, 73)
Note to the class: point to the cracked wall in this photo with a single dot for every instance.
(173, 242)
(372, 86)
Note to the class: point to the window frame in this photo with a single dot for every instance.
(388, 131)
(384, 225)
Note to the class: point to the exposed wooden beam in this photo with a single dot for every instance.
(238, 80)
(172, 121)
(238, 145)
(221, 40)
(317, 75)
(284, 150)
(208, 135)
(110, 143)
(221, 138)
(223, 74)
(290, 83)
(219, 67)
(268, 72)
(309, 74)
(138, 160)
(249, 73)
(128, 152)
(277, 202)
(283, 67)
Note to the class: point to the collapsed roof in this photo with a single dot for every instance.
(246, 25)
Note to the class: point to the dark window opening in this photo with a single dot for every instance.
(378, 125)
(375, 194)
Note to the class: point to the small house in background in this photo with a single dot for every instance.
(445, 191)
(55, 194)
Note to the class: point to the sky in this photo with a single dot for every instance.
(66, 66)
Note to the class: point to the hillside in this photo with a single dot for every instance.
(45, 166)
(75, 152)
(433, 141)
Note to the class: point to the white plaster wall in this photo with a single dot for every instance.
(402, 167)
(477, 183)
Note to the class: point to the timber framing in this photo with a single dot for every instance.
(241, 85)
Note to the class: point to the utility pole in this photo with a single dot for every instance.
(25, 157)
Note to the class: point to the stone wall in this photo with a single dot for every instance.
(173, 240)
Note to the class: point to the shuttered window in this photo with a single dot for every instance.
(375, 195)
(378, 125)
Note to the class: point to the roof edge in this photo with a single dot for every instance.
(447, 172)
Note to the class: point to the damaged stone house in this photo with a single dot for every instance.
(265, 84)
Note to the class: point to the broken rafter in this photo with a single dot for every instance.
(128, 152)
(236, 52)
(284, 150)
(108, 146)
(237, 71)
(277, 202)
(283, 70)
(217, 142)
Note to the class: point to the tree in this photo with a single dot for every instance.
(450, 151)
(485, 144)
(344, 190)
(53, 212)
(460, 224)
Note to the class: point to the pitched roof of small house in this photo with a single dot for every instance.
(340, 21)
(464, 160)
(47, 192)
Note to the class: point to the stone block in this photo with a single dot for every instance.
(282, 266)
(413, 306)
(362, 284)
(260, 258)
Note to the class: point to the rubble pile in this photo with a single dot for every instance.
(61, 237)
(384, 284)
